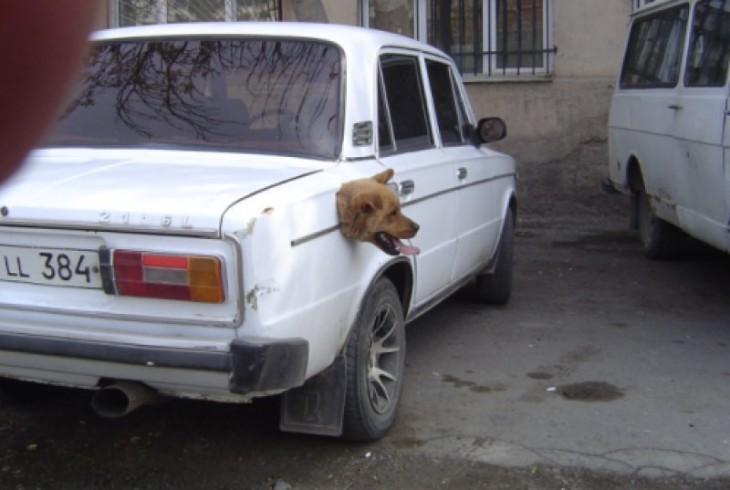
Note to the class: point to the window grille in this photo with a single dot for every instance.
(139, 12)
(486, 38)
(493, 38)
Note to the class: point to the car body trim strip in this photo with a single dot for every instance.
(312, 236)
(32, 223)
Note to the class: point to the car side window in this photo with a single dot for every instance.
(709, 46)
(654, 51)
(403, 98)
(449, 113)
(385, 135)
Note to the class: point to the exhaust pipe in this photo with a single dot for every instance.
(120, 398)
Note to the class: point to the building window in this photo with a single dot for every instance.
(485, 37)
(391, 15)
(138, 12)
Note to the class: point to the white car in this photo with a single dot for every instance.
(178, 236)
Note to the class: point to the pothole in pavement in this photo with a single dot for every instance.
(590, 391)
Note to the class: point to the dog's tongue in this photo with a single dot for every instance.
(405, 249)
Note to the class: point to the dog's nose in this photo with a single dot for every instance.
(416, 226)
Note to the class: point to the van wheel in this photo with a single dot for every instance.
(376, 353)
(495, 287)
(660, 240)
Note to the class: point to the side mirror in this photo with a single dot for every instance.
(490, 129)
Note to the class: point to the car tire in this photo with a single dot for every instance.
(660, 240)
(495, 288)
(375, 359)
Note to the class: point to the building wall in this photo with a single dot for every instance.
(104, 18)
(590, 36)
(332, 11)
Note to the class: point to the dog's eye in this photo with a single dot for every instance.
(393, 213)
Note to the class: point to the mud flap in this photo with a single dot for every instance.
(318, 406)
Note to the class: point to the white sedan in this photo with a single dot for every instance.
(177, 235)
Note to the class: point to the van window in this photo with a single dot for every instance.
(405, 102)
(654, 51)
(709, 49)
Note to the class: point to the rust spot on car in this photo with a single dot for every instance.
(251, 298)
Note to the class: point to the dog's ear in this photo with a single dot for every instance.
(384, 176)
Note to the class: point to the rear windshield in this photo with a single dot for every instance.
(259, 95)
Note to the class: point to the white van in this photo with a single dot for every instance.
(669, 128)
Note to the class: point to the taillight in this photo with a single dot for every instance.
(153, 275)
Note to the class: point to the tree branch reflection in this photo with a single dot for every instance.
(210, 92)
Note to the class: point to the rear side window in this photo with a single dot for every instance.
(449, 113)
(709, 48)
(405, 104)
(654, 51)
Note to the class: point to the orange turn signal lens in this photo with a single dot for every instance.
(204, 277)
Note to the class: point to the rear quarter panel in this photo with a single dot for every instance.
(301, 278)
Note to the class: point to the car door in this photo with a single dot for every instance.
(644, 107)
(701, 125)
(424, 175)
(480, 191)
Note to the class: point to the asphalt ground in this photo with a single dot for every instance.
(606, 370)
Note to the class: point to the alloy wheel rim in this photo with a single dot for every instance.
(383, 360)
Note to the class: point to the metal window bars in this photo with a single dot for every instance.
(494, 38)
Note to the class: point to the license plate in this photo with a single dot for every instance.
(52, 266)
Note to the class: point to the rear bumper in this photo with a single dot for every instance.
(254, 365)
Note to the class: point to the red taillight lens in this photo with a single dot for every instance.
(183, 277)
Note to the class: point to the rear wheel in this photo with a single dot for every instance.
(376, 353)
(660, 240)
(495, 288)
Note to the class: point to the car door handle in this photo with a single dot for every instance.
(675, 107)
(407, 187)
(461, 173)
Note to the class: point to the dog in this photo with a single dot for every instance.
(369, 211)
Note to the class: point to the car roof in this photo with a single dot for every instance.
(351, 39)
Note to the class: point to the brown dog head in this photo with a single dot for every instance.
(369, 211)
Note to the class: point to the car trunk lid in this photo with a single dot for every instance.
(160, 191)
